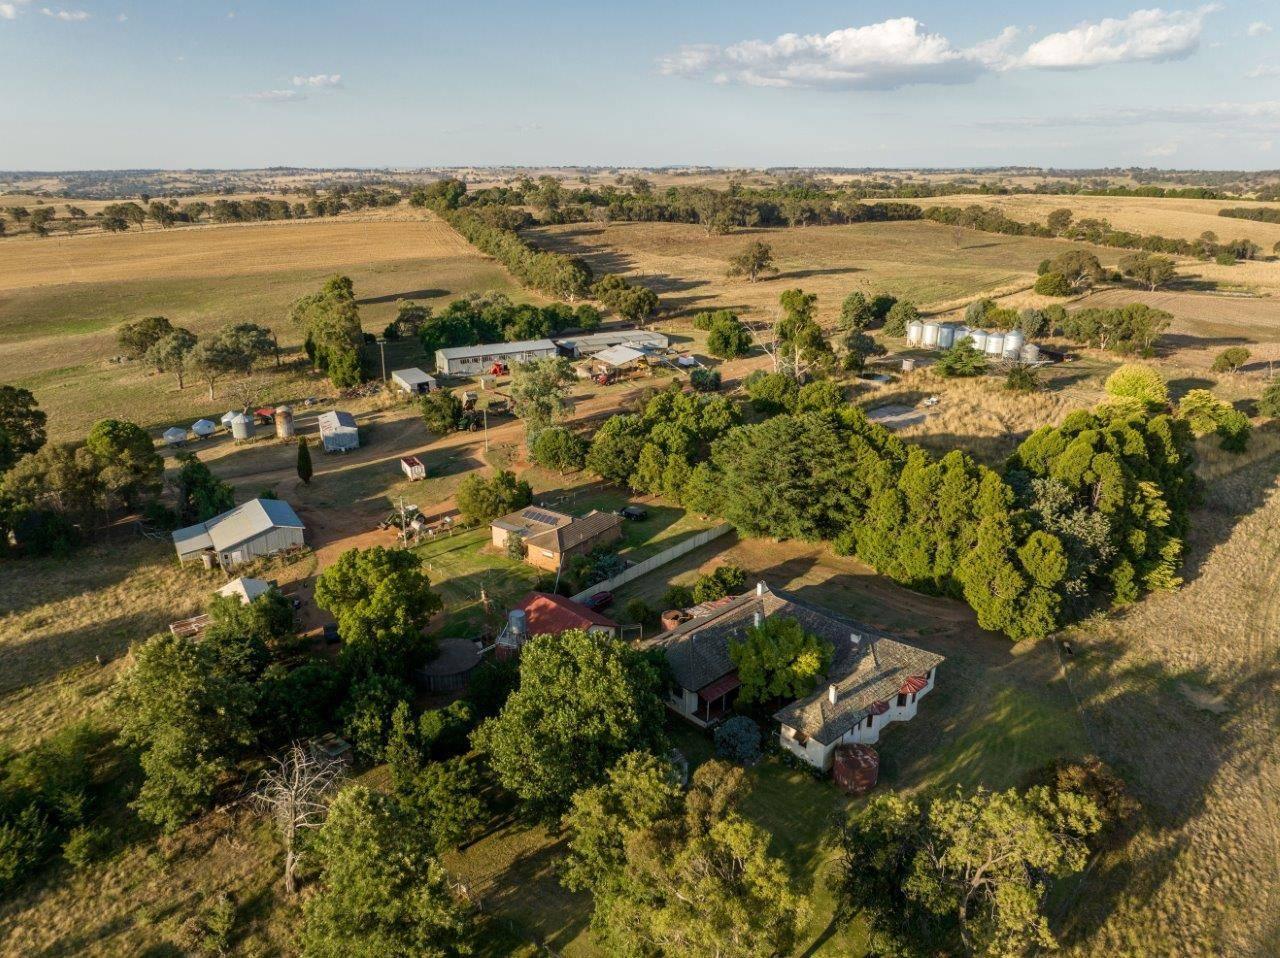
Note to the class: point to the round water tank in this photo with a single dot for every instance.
(908, 365)
(915, 332)
(1030, 353)
(930, 334)
(517, 623)
(979, 339)
(946, 336)
(673, 617)
(1013, 341)
(242, 427)
(995, 344)
(284, 422)
(856, 768)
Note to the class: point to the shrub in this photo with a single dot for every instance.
(638, 611)
(900, 314)
(728, 338)
(705, 380)
(480, 499)
(559, 449)
(738, 740)
(1226, 259)
(22, 844)
(962, 359)
(771, 393)
(1205, 413)
(1053, 284)
(819, 395)
(1138, 381)
(1229, 360)
(1022, 379)
(677, 597)
(720, 582)
(85, 843)
(1269, 404)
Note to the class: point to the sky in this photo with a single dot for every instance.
(109, 84)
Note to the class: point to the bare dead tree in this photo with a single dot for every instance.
(294, 791)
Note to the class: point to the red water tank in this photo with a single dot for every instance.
(856, 768)
(673, 617)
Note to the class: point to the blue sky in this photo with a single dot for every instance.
(127, 83)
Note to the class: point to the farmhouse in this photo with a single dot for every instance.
(338, 431)
(473, 360)
(413, 381)
(543, 613)
(552, 538)
(260, 527)
(576, 347)
(873, 679)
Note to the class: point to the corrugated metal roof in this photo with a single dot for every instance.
(236, 526)
(617, 337)
(548, 614)
(496, 349)
(412, 376)
(618, 355)
(246, 588)
(335, 421)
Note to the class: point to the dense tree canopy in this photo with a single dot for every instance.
(778, 659)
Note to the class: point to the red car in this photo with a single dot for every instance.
(601, 600)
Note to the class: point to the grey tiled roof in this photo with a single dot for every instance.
(864, 672)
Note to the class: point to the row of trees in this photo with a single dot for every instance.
(491, 317)
(235, 348)
(565, 277)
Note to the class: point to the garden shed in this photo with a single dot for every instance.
(338, 432)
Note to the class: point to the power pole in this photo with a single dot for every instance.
(382, 350)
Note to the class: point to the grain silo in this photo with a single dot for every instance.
(995, 344)
(1013, 341)
(915, 332)
(946, 336)
(284, 422)
(930, 335)
(979, 339)
(242, 427)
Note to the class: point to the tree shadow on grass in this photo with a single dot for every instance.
(409, 294)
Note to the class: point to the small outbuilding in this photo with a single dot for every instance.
(338, 431)
(413, 381)
(413, 467)
(204, 428)
(260, 527)
(619, 357)
(175, 436)
(245, 588)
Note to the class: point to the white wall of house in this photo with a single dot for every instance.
(867, 732)
(685, 703)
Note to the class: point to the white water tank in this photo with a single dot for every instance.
(995, 344)
(242, 427)
(979, 339)
(1013, 341)
(915, 332)
(946, 336)
(930, 334)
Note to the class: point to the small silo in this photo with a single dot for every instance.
(514, 636)
(1013, 341)
(995, 344)
(930, 335)
(946, 335)
(1030, 353)
(908, 365)
(856, 768)
(284, 422)
(242, 427)
(979, 339)
(915, 332)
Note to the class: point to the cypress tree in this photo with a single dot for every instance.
(304, 460)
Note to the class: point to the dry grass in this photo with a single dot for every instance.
(934, 265)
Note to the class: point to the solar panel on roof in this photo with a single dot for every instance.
(537, 515)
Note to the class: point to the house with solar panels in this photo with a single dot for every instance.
(551, 539)
(873, 680)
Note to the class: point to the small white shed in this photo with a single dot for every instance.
(413, 381)
(204, 427)
(338, 432)
(175, 436)
(245, 588)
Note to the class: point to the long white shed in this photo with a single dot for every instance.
(474, 360)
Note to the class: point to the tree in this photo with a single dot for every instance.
(1078, 267)
(1205, 413)
(754, 260)
(537, 393)
(1140, 382)
(1230, 359)
(722, 581)
(584, 701)
(130, 467)
(137, 337)
(330, 323)
(382, 891)
(446, 797)
(382, 601)
(1152, 271)
(820, 395)
(441, 411)
(187, 709)
(304, 460)
(738, 740)
(899, 316)
(559, 449)
(201, 495)
(61, 477)
(965, 871)
(704, 380)
(1269, 403)
(679, 875)
(1052, 284)
(171, 353)
(778, 659)
(21, 425)
(728, 338)
(211, 359)
(856, 313)
(1058, 220)
(482, 500)
(294, 792)
(771, 393)
(1022, 378)
(962, 359)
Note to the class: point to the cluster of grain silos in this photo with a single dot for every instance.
(993, 342)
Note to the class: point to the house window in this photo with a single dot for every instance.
(870, 720)
(902, 699)
(913, 696)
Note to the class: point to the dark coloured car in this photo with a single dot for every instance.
(601, 600)
(634, 513)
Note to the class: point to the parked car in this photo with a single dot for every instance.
(634, 513)
(601, 600)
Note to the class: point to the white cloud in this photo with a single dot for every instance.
(881, 56)
(8, 11)
(1163, 149)
(319, 80)
(1258, 29)
(1145, 35)
(1264, 71)
(67, 16)
(274, 96)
